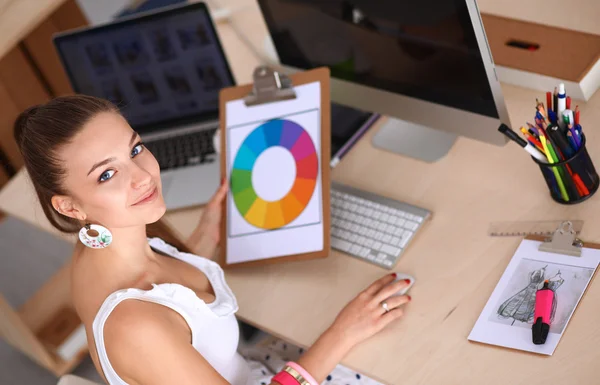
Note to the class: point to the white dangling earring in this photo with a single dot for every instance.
(95, 236)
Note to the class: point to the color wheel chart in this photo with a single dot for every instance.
(260, 211)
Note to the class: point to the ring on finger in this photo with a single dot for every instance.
(385, 307)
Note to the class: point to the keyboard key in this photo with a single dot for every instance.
(378, 236)
(399, 232)
(340, 244)
(397, 213)
(369, 242)
(364, 252)
(381, 257)
(405, 238)
(361, 241)
(371, 257)
(355, 228)
(411, 225)
(386, 238)
(381, 226)
(390, 250)
(388, 263)
(400, 222)
(390, 229)
(418, 219)
(193, 160)
(376, 246)
(385, 217)
(371, 233)
(395, 241)
(355, 249)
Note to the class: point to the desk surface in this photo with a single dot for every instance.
(454, 261)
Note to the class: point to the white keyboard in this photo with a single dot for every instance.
(371, 227)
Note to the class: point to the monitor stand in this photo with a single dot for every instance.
(413, 140)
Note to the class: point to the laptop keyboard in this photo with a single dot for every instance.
(183, 150)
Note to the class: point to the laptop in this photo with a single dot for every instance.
(164, 70)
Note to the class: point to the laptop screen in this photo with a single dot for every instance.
(161, 69)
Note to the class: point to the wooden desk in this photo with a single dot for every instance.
(454, 261)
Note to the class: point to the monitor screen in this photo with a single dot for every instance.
(424, 49)
(158, 68)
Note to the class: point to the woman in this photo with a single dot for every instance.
(155, 314)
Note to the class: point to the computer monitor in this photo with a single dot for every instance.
(426, 64)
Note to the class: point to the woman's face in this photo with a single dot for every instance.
(111, 177)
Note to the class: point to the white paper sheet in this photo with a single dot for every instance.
(507, 317)
(273, 174)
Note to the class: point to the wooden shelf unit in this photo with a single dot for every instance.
(43, 323)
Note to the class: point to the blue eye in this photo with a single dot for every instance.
(106, 175)
(137, 149)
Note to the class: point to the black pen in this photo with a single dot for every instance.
(521, 142)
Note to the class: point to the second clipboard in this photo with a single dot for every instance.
(275, 151)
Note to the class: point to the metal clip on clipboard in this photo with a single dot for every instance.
(564, 241)
(269, 86)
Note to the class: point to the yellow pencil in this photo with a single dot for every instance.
(561, 186)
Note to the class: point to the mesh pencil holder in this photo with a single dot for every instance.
(572, 180)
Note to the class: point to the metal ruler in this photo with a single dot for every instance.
(524, 228)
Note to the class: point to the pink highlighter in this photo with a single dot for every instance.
(541, 318)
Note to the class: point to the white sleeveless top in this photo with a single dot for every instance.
(214, 329)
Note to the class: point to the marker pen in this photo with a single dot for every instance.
(562, 103)
(569, 116)
(541, 317)
(521, 142)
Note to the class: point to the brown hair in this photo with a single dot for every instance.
(40, 131)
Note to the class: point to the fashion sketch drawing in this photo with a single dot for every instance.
(521, 305)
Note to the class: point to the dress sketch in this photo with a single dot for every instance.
(521, 306)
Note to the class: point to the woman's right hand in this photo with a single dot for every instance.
(360, 319)
(365, 316)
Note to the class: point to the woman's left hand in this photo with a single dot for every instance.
(205, 238)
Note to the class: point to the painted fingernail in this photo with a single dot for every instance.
(409, 297)
(394, 275)
(407, 281)
(222, 180)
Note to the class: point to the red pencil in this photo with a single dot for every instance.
(536, 142)
(576, 115)
(568, 102)
(581, 185)
(549, 100)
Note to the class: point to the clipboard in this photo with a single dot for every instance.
(254, 223)
(563, 262)
(564, 241)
